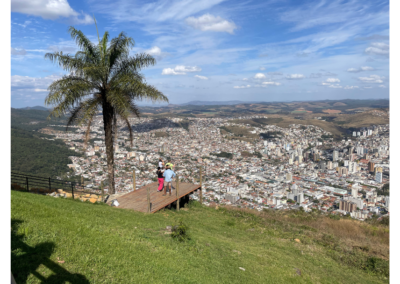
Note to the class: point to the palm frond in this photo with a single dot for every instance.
(82, 41)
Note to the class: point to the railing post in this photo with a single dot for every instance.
(177, 193)
(102, 192)
(201, 193)
(72, 186)
(134, 180)
(49, 185)
(148, 200)
(27, 184)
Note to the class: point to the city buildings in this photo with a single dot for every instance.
(242, 171)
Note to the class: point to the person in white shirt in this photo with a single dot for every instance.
(161, 163)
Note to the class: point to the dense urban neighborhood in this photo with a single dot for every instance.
(300, 167)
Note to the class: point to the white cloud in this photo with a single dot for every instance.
(18, 51)
(154, 51)
(26, 82)
(295, 76)
(245, 79)
(259, 76)
(325, 84)
(350, 87)
(372, 79)
(333, 80)
(378, 48)
(242, 87)
(180, 70)
(382, 86)
(353, 70)
(170, 71)
(209, 22)
(201, 77)
(50, 9)
(337, 86)
(262, 68)
(362, 68)
(367, 68)
(271, 83)
(25, 86)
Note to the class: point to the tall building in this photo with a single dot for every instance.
(347, 206)
(352, 167)
(378, 177)
(329, 166)
(342, 170)
(335, 155)
(371, 167)
(354, 192)
(322, 165)
(354, 134)
(289, 177)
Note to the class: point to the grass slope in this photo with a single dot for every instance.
(57, 240)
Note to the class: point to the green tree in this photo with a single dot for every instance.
(101, 77)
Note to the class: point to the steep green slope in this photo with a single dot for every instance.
(32, 155)
(59, 240)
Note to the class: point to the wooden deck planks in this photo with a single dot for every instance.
(137, 200)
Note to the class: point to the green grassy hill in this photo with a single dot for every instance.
(61, 240)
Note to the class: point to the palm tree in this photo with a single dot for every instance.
(101, 77)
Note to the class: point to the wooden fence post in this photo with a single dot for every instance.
(49, 185)
(27, 184)
(72, 186)
(177, 193)
(148, 200)
(201, 185)
(134, 180)
(102, 192)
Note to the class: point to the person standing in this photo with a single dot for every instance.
(160, 173)
(169, 164)
(168, 175)
(160, 163)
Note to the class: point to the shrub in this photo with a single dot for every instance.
(179, 232)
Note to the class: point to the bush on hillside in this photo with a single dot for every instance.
(179, 232)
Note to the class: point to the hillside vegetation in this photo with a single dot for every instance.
(31, 154)
(61, 240)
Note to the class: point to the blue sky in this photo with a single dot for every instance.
(217, 50)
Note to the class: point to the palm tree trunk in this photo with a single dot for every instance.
(115, 131)
(108, 114)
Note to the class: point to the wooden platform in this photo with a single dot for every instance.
(137, 200)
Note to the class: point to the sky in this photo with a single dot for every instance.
(215, 50)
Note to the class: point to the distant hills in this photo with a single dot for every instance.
(203, 103)
(35, 108)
